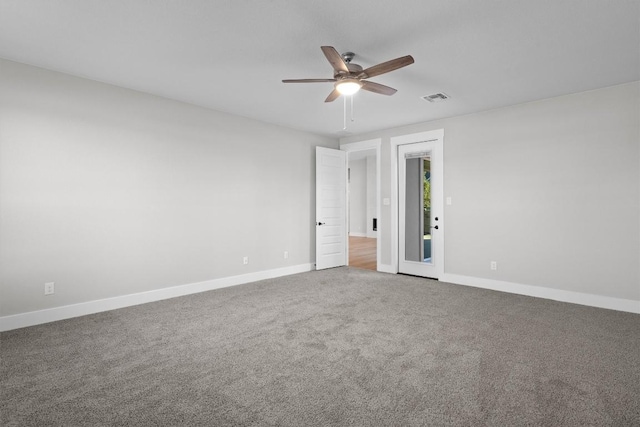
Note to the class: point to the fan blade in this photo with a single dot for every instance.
(378, 88)
(386, 67)
(334, 58)
(308, 80)
(332, 96)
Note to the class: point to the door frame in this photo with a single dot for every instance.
(428, 136)
(364, 146)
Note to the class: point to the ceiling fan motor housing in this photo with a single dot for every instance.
(354, 70)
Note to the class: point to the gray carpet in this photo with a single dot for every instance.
(336, 347)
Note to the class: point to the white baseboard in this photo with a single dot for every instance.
(32, 318)
(386, 268)
(600, 301)
(355, 234)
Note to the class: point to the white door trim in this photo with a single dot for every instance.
(433, 135)
(362, 146)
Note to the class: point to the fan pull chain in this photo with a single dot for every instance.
(344, 122)
(352, 119)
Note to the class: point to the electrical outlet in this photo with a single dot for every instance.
(49, 288)
(286, 254)
(245, 260)
(494, 265)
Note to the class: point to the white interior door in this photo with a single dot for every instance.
(420, 219)
(331, 199)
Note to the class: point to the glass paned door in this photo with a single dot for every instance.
(420, 220)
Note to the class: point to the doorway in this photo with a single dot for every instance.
(363, 203)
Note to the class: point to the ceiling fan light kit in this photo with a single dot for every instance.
(348, 86)
(349, 78)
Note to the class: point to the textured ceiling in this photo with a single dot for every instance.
(232, 55)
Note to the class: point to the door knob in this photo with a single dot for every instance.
(321, 223)
(435, 226)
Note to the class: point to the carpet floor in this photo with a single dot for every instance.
(336, 347)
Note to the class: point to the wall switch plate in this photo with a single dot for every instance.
(245, 260)
(49, 288)
(286, 254)
(449, 201)
(386, 202)
(494, 265)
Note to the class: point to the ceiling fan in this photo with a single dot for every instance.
(350, 78)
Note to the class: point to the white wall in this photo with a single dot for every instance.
(358, 197)
(363, 201)
(107, 191)
(549, 189)
(372, 196)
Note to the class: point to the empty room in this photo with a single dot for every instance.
(296, 213)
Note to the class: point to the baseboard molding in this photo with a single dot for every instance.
(354, 234)
(600, 301)
(33, 318)
(386, 268)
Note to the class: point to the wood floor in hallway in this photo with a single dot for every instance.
(362, 253)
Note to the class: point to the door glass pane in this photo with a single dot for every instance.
(418, 208)
(426, 208)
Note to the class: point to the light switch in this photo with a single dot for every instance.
(386, 202)
(448, 200)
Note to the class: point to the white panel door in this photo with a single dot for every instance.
(331, 200)
(420, 210)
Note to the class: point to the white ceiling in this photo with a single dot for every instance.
(231, 55)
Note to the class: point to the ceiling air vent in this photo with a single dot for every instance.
(436, 97)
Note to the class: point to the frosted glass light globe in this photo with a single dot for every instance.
(348, 86)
